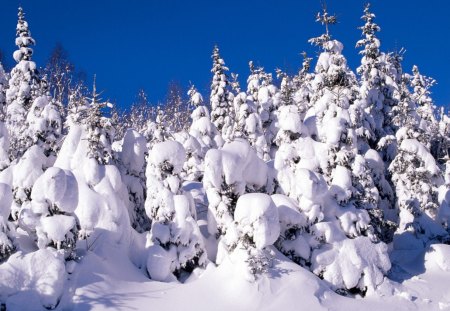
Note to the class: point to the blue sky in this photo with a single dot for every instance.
(146, 44)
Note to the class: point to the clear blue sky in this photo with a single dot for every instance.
(146, 44)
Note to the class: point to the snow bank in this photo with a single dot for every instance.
(438, 255)
(40, 276)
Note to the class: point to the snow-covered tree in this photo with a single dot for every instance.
(258, 227)
(248, 124)
(100, 132)
(229, 173)
(202, 128)
(4, 135)
(221, 98)
(175, 243)
(193, 166)
(6, 228)
(45, 124)
(53, 201)
(158, 130)
(302, 84)
(131, 160)
(417, 177)
(24, 87)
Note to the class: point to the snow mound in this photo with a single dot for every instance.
(352, 263)
(170, 152)
(438, 255)
(133, 151)
(57, 186)
(40, 275)
(257, 217)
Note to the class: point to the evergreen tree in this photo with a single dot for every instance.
(45, 124)
(302, 84)
(202, 128)
(77, 107)
(221, 98)
(24, 87)
(100, 132)
(4, 135)
(174, 235)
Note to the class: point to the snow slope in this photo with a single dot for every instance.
(100, 285)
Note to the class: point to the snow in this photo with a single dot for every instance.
(352, 263)
(438, 255)
(6, 198)
(257, 217)
(169, 151)
(133, 151)
(288, 213)
(413, 146)
(38, 278)
(289, 119)
(57, 186)
(159, 264)
(57, 226)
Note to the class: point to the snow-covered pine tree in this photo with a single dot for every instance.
(100, 132)
(4, 135)
(376, 89)
(350, 213)
(427, 111)
(6, 228)
(131, 164)
(421, 95)
(290, 127)
(302, 86)
(229, 173)
(248, 124)
(202, 128)
(221, 98)
(372, 77)
(54, 199)
(417, 178)
(268, 102)
(44, 123)
(24, 87)
(175, 242)
(77, 107)
(415, 172)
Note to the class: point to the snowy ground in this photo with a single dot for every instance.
(104, 279)
(116, 284)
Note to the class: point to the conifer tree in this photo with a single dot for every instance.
(24, 87)
(221, 98)
(202, 128)
(4, 135)
(174, 237)
(100, 132)
(77, 107)
(303, 87)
